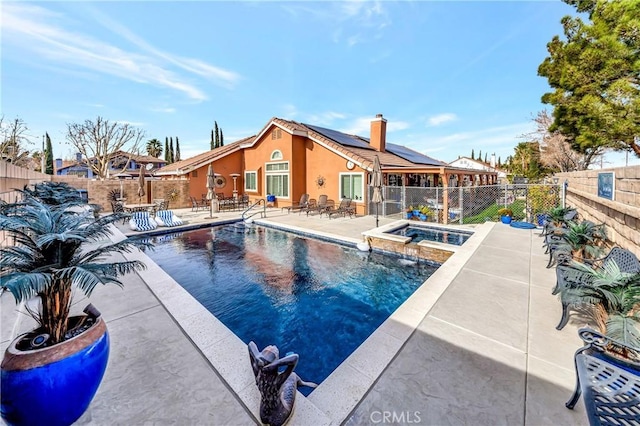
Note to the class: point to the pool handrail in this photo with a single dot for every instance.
(263, 212)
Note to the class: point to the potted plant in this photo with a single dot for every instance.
(50, 374)
(612, 298)
(425, 212)
(409, 212)
(505, 214)
(584, 239)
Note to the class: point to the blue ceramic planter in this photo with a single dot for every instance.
(54, 385)
(409, 215)
(505, 219)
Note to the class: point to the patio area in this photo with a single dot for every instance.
(476, 345)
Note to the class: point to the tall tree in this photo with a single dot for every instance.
(167, 153)
(98, 140)
(212, 140)
(48, 156)
(172, 154)
(555, 152)
(154, 147)
(485, 157)
(526, 161)
(595, 74)
(221, 137)
(13, 142)
(472, 154)
(177, 149)
(499, 163)
(216, 132)
(480, 155)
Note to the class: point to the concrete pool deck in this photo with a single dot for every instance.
(484, 349)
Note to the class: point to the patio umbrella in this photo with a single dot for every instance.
(141, 185)
(376, 183)
(210, 183)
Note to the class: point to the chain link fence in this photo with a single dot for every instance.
(471, 204)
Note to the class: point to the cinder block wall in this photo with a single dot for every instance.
(99, 191)
(622, 215)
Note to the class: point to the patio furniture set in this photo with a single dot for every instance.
(224, 203)
(605, 291)
(323, 205)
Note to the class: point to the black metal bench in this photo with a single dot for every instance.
(608, 378)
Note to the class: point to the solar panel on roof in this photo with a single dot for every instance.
(341, 138)
(411, 155)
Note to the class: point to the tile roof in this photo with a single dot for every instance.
(361, 156)
(184, 166)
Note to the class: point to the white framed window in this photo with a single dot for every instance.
(276, 155)
(352, 186)
(251, 181)
(277, 178)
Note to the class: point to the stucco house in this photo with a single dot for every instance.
(287, 159)
(121, 162)
(470, 163)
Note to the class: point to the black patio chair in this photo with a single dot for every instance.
(608, 378)
(197, 205)
(570, 276)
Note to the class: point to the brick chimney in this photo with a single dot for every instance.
(378, 135)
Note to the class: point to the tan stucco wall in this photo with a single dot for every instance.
(621, 216)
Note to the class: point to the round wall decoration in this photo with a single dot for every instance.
(320, 181)
(350, 165)
(220, 181)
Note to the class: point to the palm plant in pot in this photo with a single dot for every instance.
(50, 374)
(584, 239)
(612, 299)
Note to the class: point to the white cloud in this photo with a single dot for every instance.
(361, 126)
(439, 119)
(36, 29)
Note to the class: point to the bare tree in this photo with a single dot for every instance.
(13, 141)
(555, 152)
(98, 140)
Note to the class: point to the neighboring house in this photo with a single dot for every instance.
(288, 159)
(470, 163)
(118, 164)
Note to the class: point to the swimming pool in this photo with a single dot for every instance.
(315, 298)
(441, 235)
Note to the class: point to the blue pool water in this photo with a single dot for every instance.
(318, 299)
(442, 235)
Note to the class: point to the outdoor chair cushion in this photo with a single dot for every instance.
(167, 218)
(141, 221)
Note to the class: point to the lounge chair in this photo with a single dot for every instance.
(304, 201)
(167, 218)
(610, 384)
(323, 203)
(311, 205)
(345, 208)
(141, 221)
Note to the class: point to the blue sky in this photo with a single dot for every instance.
(448, 76)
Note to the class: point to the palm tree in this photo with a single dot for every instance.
(53, 254)
(614, 298)
(154, 148)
